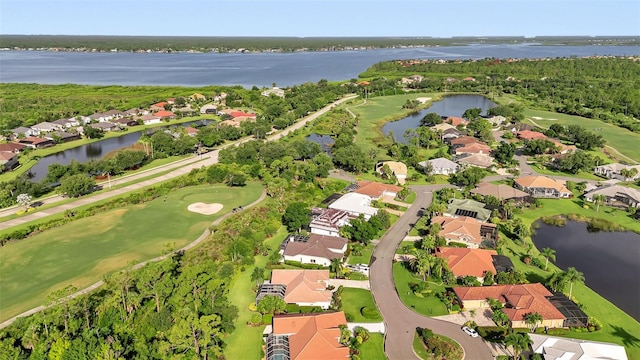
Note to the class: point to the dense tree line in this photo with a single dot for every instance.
(601, 88)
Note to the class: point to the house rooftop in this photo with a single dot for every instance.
(303, 286)
(312, 336)
(468, 262)
(530, 135)
(479, 160)
(328, 247)
(355, 203)
(615, 190)
(500, 191)
(554, 348)
(440, 163)
(461, 228)
(468, 207)
(375, 189)
(538, 181)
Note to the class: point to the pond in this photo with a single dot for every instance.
(325, 141)
(609, 260)
(452, 105)
(94, 150)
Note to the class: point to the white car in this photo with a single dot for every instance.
(470, 331)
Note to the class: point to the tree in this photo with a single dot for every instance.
(336, 267)
(422, 263)
(431, 119)
(271, 305)
(548, 253)
(557, 282)
(573, 275)
(488, 279)
(469, 177)
(598, 199)
(199, 334)
(504, 153)
(236, 179)
(257, 275)
(628, 174)
(296, 216)
(76, 185)
(532, 319)
(472, 114)
(519, 342)
(92, 133)
(351, 158)
(24, 200)
(500, 318)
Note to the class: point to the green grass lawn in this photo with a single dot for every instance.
(619, 138)
(429, 306)
(245, 342)
(353, 300)
(364, 258)
(403, 244)
(581, 174)
(81, 252)
(419, 348)
(410, 198)
(373, 349)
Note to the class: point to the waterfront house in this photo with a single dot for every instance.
(466, 230)
(313, 249)
(8, 160)
(456, 121)
(468, 262)
(12, 147)
(45, 127)
(105, 126)
(542, 187)
(150, 119)
(617, 196)
(441, 166)
(126, 122)
(301, 287)
(556, 348)
(36, 142)
(209, 109)
(501, 192)
(61, 136)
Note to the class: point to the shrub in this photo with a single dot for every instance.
(267, 318)
(349, 317)
(292, 309)
(256, 319)
(369, 313)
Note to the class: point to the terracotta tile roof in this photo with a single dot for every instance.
(236, 114)
(464, 140)
(328, 247)
(191, 130)
(520, 299)
(468, 262)
(501, 191)
(34, 140)
(7, 155)
(455, 121)
(534, 181)
(13, 147)
(530, 135)
(474, 148)
(160, 104)
(164, 113)
(375, 189)
(313, 336)
(460, 228)
(303, 286)
(480, 160)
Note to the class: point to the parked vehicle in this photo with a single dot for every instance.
(470, 331)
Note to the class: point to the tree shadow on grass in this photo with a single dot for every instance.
(534, 277)
(627, 339)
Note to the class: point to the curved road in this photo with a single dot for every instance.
(401, 321)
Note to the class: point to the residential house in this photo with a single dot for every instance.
(236, 114)
(165, 115)
(301, 287)
(530, 135)
(307, 337)
(469, 208)
(209, 109)
(542, 187)
(171, 101)
(36, 142)
(474, 148)
(450, 134)
(355, 204)
(274, 91)
(441, 166)
(193, 132)
(61, 136)
(563, 148)
(8, 160)
(150, 119)
(126, 122)
(398, 169)
(443, 127)
(102, 117)
(480, 160)
(462, 141)
(519, 300)
(313, 249)
(554, 348)
(114, 114)
(158, 106)
(105, 126)
(501, 192)
(616, 195)
(468, 262)
(613, 171)
(411, 79)
(22, 132)
(466, 230)
(328, 221)
(12, 147)
(45, 127)
(66, 123)
(496, 120)
(456, 121)
(135, 112)
(197, 96)
(469, 78)
(376, 190)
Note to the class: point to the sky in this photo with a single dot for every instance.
(311, 18)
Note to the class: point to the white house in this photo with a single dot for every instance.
(612, 171)
(355, 204)
(209, 109)
(441, 166)
(45, 127)
(274, 91)
(329, 221)
(313, 249)
(574, 349)
(150, 119)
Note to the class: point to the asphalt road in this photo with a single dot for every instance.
(400, 321)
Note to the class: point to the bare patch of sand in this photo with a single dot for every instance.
(205, 209)
(536, 118)
(423, 100)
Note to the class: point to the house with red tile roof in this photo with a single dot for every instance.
(8, 160)
(475, 148)
(36, 142)
(463, 141)
(191, 131)
(519, 300)
(302, 287)
(468, 262)
(158, 106)
(455, 121)
(465, 230)
(12, 147)
(236, 114)
(530, 135)
(307, 337)
(377, 190)
(542, 187)
(313, 249)
(165, 115)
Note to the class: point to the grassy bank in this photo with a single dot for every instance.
(353, 303)
(80, 253)
(429, 306)
(373, 349)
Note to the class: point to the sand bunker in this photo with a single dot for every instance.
(423, 100)
(536, 117)
(205, 209)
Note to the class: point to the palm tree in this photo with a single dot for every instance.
(548, 253)
(573, 275)
(557, 281)
(336, 266)
(532, 319)
(519, 342)
(598, 199)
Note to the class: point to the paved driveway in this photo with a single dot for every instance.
(401, 321)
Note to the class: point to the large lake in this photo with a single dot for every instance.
(260, 69)
(610, 261)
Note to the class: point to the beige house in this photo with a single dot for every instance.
(542, 187)
(398, 169)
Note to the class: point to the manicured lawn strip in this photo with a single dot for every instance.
(364, 258)
(245, 342)
(419, 348)
(353, 300)
(619, 138)
(83, 251)
(403, 244)
(581, 174)
(373, 349)
(410, 198)
(430, 306)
